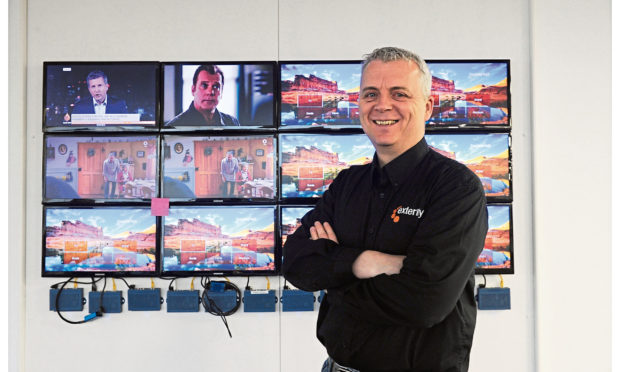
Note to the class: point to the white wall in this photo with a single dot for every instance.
(571, 61)
(322, 29)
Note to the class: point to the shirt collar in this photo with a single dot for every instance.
(397, 171)
(104, 103)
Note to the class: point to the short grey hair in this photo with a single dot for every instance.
(392, 54)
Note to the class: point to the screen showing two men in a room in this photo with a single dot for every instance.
(485, 154)
(219, 167)
(111, 168)
(218, 95)
(99, 240)
(310, 163)
(101, 95)
(219, 239)
(322, 94)
(469, 93)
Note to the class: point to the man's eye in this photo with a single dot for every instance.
(370, 95)
(204, 85)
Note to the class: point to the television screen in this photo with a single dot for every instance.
(319, 93)
(470, 93)
(101, 95)
(218, 96)
(497, 255)
(113, 168)
(290, 219)
(309, 163)
(224, 239)
(486, 154)
(233, 167)
(86, 241)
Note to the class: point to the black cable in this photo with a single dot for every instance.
(214, 309)
(55, 285)
(130, 286)
(247, 285)
(485, 282)
(87, 318)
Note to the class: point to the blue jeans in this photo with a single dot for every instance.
(330, 365)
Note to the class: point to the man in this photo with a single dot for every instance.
(111, 167)
(394, 242)
(228, 170)
(207, 86)
(100, 103)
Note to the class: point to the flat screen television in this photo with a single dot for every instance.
(319, 94)
(225, 167)
(109, 168)
(486, 154)
(208, 240)
(497, 255)
(472, 93)
(100, 96)
(290, 219)
(309, 163)
(85, 241)
(213, 95)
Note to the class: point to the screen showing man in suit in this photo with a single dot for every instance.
(99, 102)
(102, 94)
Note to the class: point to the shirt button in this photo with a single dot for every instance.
(381, 195)
(371, 231)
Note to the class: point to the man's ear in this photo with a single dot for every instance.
(428, 109)
(193, 89)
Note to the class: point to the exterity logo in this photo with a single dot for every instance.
(406, 211)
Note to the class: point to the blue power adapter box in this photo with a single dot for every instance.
(493, 298)
(224, 300)
(259, 301)
(297, 300)
(112, 301)
(145, 299)
(71, 299)
(183, 301)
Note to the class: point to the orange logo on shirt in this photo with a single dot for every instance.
(406, 211)
(394, 217)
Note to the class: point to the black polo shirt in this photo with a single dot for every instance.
(425, 206)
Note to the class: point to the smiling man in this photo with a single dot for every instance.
(207, 87)
(100, 103)
(394, 242)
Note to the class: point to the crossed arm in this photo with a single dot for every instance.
(369, 263)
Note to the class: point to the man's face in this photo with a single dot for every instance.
(229, 156)
(98, 89)
(207, 91)
(393, 109)
(111, 157)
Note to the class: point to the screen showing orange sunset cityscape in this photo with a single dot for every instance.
(219, 239)
(100, 240)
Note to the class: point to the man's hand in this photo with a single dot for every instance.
(372, 263)
(322, 231)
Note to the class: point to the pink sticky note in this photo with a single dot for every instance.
(160, 206)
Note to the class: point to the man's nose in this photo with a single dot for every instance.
(383, 103)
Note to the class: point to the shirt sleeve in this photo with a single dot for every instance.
(313, 265)
(439, 261)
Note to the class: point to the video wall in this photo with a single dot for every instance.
(240, 151)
